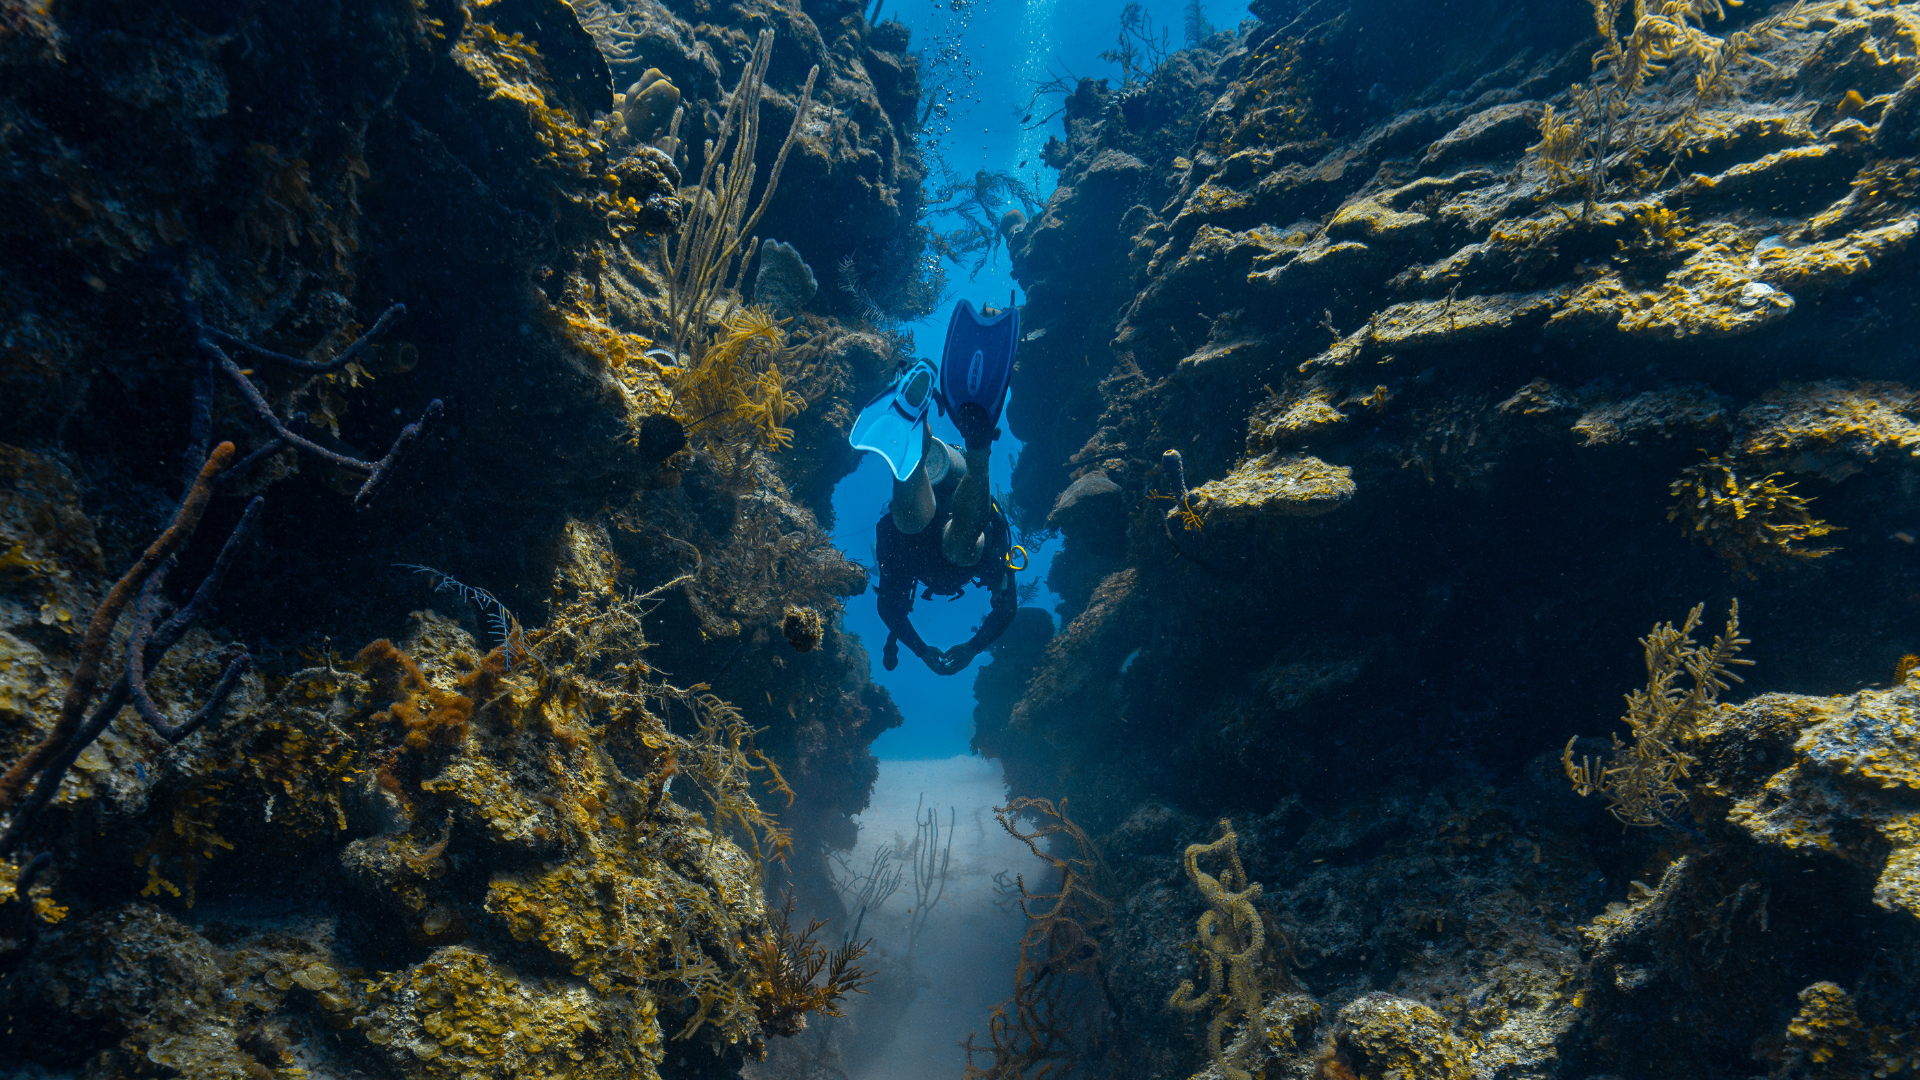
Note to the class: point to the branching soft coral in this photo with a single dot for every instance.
(1611, 128)
(1641, 780)
(720, 761)
(708, 250)
(1053, 1025)
(788, 962)
(736, 387)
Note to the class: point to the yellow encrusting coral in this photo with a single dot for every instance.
(510, 69)
(1847, 788)
(461, 1016)
(1270, 488)
(1828, 1039)
(44, 907)
(1815, 422)
(1379, 1036)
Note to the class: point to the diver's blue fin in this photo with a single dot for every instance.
(978, 362)
(891, 424)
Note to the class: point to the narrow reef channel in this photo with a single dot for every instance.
(1441, 593)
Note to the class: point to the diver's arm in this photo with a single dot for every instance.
(895, 597)
(1006, 601)
(894, 606)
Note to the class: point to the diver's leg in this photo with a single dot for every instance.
(966, 532)
(913, 497)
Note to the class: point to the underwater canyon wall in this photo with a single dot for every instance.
(1385, 391)
(396, 793)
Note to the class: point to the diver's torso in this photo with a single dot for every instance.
(919, 554)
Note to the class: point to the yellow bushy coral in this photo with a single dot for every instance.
(1760, 522)
(1641, 780)
(736, 387)
(1559, 145)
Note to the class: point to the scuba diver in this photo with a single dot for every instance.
(942, 529)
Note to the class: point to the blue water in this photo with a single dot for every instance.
(988, 55)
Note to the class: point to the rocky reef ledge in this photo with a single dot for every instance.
(1386, 390)
(398, 675)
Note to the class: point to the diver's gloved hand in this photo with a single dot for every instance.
(955, 660)
(890, 655)
(933, 658)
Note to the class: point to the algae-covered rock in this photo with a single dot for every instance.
(802, 627)
(1493, 132)
(423, 804)
(1681, 411)
(1832, 428)
(46, 542)
(458, 1014)
(1379, 1036)
(1358, 257)
(231, 1010)
(1088, 504)
(1273, 487)
(1846, 788)
(1371, 221)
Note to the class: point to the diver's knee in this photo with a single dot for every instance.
(959, 550)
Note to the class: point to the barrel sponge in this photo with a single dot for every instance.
(785, 282)
(648, 106)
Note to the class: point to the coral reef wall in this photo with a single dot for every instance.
(489, 603)
(1386, 391)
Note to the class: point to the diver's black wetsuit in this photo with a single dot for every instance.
(910, 560)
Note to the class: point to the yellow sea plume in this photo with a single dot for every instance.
(736, 387)
(1641, 779)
